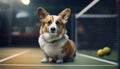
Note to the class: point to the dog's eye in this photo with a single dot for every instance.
(57, 22)
(49, 22)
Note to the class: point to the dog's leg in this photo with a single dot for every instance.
(59, 59)
(53, 60)
(45, 59)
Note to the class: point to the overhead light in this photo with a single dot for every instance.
(25, 2)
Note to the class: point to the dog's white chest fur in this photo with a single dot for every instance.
(52, 49)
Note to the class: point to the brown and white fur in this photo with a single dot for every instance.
(53, 40)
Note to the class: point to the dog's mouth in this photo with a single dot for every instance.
(53, 32)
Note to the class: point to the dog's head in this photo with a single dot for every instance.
(53, 24)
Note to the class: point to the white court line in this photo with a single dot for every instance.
(98, 59)
(55, 65)
(15, 55)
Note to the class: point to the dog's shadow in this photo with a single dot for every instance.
(64, 61)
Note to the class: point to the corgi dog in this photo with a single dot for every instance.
(53, 40)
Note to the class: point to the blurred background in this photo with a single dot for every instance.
(98, 27)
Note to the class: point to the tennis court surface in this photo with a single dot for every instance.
(29, 58)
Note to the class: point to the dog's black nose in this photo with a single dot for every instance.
(53, 29)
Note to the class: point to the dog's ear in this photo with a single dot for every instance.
(65, 14)
(41, 12)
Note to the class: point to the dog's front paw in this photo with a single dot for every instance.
(59, 61)
(44, 60)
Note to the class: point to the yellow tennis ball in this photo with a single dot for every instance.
(106, 50)
(100, 53)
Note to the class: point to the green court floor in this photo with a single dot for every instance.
(29, 58)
